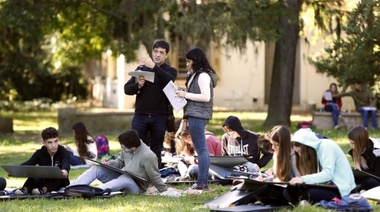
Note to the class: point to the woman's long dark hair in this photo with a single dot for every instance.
(200, 62)
(80, 135)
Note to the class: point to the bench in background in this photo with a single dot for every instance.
(323, 120)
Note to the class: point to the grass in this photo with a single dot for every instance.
(18, 147)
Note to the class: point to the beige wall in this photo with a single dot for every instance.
(242, 78)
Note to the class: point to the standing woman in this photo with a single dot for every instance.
(365, 156)
(200, 81)
(333, 105)
(85, 145)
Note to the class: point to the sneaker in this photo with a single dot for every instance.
(304, 203)
(20, 192)
(337, 127)
(36, 191)
(195, 186)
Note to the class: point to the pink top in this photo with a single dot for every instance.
(214, 145)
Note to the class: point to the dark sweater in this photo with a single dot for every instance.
(41, 157)
(150, 99)
(372, 157)
(248, 140)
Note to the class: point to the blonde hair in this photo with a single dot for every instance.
(183, 147)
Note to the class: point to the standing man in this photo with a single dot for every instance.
(151, 106)
(365, 102)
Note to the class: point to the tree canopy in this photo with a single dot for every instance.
(45, 42)
(355, 56)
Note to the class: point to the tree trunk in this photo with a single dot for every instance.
(281, 93)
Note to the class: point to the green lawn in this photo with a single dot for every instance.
(18, 146)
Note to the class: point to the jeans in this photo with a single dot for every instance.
(335, 112)
(75, 160)
(295, 194)
(151, 130)
(197, 132)
(110, 179)
(364, 113)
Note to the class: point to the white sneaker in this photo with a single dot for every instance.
(303, 203)
(36, 191)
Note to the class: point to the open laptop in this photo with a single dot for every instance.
(33, 171)
(134, 176)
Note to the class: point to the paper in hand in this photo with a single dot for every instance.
(149, 76)
(177, 102)
(327, 95)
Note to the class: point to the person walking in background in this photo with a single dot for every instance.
(151, 106)
(50, 154)
(200, 81)
(365, 102)
(84, 143)
(332, 104)
(365, 155)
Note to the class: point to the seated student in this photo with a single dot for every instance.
(136, 157)
(365, 156)
(50, 154)
(284, 166)
(334, 104)
(85, 146)
(365, 102)
(319, 161)
(237, 141)
(188, 167)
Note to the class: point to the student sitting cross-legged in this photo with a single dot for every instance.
(50, 154)
(136, 157)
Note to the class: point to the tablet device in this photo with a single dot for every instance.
(34, 171)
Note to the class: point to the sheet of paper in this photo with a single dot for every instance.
(149, 76)
(327, 95)
(369, 108)
(177, 102)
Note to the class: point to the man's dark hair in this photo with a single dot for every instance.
(49, 132)
(129, 139)
(161, 44)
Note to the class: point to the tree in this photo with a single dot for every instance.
(356, 56)
(84, 28)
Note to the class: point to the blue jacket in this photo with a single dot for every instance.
(334, 163)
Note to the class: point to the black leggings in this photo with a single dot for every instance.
(295, 194)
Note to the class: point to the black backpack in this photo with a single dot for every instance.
(85, 191)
